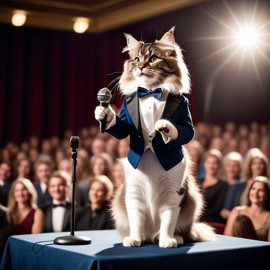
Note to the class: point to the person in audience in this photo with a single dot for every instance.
(196, 152)
(112, 146)
(252, 220)
(232, 167)
(123, 147)
(43, 171)
(232, 164)
(83, 166)
(213, 188)
(118, 175)
(4, 229)
(254, 164)
(100, 164)
(98, 146)
(57, 213)
(65, 165)
(97, 215)
(6, 178)
(25, 169)
(23, 214)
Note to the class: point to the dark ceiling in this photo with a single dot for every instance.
(104, 15)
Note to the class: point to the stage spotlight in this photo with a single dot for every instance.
(18, 18)
(247, 36)
(81, 25)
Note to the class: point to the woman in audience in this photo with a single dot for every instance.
(23, 214)
(100, 164)
(255, 164)
(25, 169)
(97, 215)
(232, 164)
(252, 220)
(214, 188)
(118, 175)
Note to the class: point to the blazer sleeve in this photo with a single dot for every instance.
(182, 120)
(122, 127)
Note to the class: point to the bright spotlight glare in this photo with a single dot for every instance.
(247, 36)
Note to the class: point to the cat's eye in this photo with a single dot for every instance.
(137, 59)
(152, 59)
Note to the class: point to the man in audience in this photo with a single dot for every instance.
(43, 171)
(57, 214)
(6, 174)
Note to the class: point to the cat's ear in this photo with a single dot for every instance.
(132, 43)
(168, 37)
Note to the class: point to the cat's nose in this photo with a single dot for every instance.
(142, 65)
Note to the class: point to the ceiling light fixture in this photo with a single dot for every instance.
(19, 18)
(81, 24)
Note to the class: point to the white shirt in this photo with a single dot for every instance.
(58, 214)
(43, 187)
(151, 110)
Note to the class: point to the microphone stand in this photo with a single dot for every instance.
(72, 239)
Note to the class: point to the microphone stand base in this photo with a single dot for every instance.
(72, 240)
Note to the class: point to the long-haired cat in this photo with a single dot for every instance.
(160, 201)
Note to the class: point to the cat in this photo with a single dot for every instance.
(160, 201)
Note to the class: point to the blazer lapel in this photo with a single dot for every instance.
(171, 105)
(133, 110)
(66, 221)
(48, 220)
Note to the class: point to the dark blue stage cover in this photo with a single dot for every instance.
(37, 251)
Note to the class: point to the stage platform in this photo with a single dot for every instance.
(107, 252)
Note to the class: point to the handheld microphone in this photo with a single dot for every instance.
(104, 96)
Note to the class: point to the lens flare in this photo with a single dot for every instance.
(248, 36)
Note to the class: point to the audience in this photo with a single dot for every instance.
(250, 141)
(57, 214)
(232, 164)
(4, 229)
(6, 178)
(43, 171)
(255, 164)
(252, 220)
(100, 164)
(23, 214)
(97, 215)
(25, 169)
(213, 187)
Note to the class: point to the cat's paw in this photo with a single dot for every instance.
(179, 239)
(167, 129)
(129, 242)
(168, 243)
(101, 112)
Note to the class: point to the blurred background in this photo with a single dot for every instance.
(50, 75)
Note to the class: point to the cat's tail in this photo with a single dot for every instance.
(202, 232)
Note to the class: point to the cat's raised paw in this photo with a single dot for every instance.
(129, 242)
(168, 243)
(166, 127)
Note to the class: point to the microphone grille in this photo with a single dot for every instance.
(74, 142)
(104, 95)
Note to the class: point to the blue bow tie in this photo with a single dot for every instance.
(157, 93)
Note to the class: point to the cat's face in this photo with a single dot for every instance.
(154, 64)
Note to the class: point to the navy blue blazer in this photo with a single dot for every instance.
(128, 123)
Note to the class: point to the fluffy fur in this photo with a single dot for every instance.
(157, 205)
